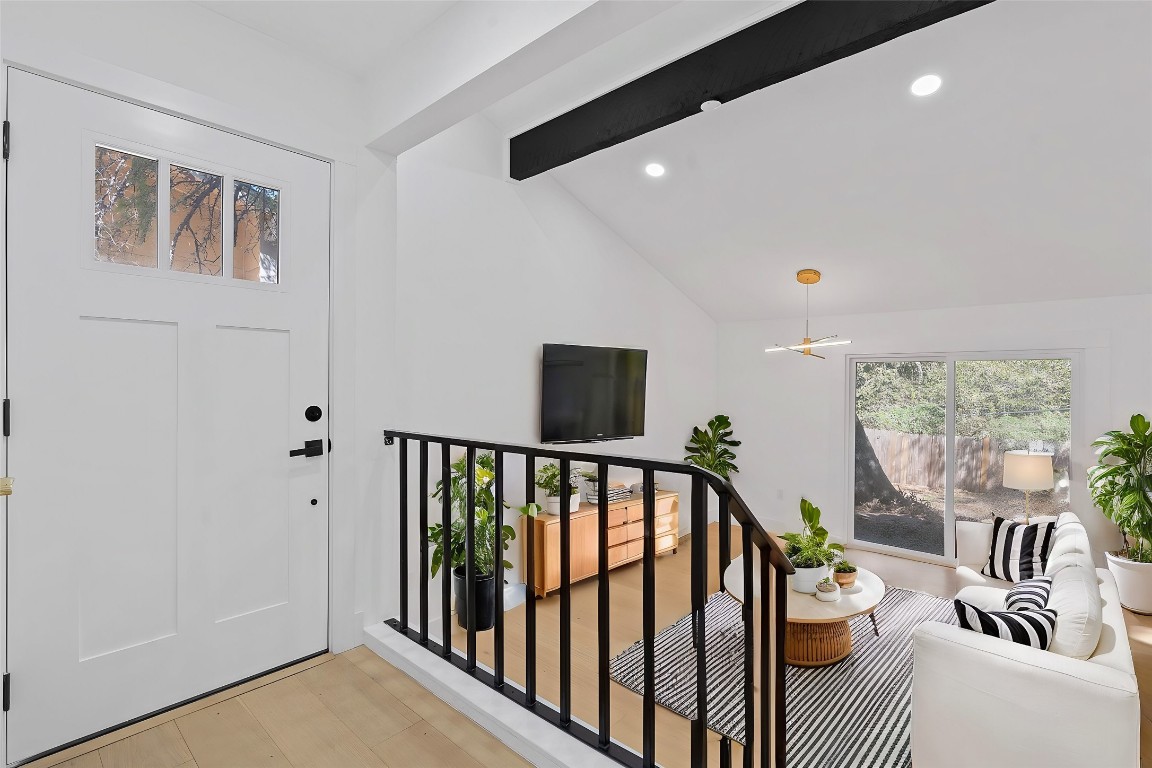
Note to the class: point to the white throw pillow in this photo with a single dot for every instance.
(1076, 600)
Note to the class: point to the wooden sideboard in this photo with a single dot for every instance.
(625, 538)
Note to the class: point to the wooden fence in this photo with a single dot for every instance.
(910, 459)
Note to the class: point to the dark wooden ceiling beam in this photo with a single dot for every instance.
(797, 40)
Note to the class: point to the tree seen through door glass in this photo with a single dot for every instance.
(125, 208)
(256, 236)
(197, 221)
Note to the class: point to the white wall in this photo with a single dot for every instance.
(489, 270)
(792, 412)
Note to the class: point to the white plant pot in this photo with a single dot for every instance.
(828, 597)
(1133, 581)
(552, 504)
(806, 579)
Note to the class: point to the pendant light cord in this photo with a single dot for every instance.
(806, 292)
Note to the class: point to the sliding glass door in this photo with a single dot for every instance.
(900, 454)
(931, 437)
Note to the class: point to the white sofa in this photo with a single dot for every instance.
(983, 701)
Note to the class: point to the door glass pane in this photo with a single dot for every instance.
(197, 221)
(256, 237)
(125, 208)
(1011, 405)
(899, 454)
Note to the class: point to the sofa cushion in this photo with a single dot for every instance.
(1076, 600)
(1033, 628)
(985, 598)
(1029, 594)
(1018, 551)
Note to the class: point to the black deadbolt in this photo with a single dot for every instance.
(313, 413)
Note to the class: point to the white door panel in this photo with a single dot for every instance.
(162, 543)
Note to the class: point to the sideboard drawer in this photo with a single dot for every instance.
(617, 554)
(666, 542)
(618, 535)
(617, 516)
(664, 524)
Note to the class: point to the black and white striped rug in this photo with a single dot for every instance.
(856, 712)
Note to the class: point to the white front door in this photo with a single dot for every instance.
(167, 334)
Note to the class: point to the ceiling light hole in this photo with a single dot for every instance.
(654, 170)
(925, 85)
(710, 105)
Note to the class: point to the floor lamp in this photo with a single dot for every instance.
(1027, 471)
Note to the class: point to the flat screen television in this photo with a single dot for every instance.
(591, 393)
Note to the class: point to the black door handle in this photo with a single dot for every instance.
(311, 448)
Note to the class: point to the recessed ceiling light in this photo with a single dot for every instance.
(709, 105)
(654, 169)
(925, 85)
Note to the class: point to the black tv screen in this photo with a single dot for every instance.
(591, 393)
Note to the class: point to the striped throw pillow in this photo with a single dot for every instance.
(1029, 595)
(1034, 628)
(1019, 551)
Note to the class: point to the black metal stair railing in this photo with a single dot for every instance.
(758, 548)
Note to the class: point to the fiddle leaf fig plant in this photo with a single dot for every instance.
(810, 548)
(1121, 484)
(484, 512)
(711, 449)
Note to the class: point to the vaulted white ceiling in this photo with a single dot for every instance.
(351, 35)
(1027, 177)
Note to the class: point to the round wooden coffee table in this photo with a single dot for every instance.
(817, 633)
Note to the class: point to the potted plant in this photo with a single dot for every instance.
(1121, 485)
(712, 449)
(548, 480)
(484, 540)
(827, 591)
(809, 550)
(845, 574)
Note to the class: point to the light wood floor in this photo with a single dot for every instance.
(353, 710)
(356, 710)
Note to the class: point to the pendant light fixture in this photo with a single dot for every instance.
(808, 278)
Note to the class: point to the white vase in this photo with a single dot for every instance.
(828, 597)
(806, 579)
(1133, 582)
(552, 504)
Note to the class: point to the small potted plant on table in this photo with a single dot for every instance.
(827, 591)
(809, 550)
(548, 480)
(845, 574)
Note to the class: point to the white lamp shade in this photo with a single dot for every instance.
(1026, 471)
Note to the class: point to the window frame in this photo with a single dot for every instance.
(1073, 355)
(165, 158)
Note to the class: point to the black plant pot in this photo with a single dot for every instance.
(485, 599)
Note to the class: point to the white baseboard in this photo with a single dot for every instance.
(534, 739)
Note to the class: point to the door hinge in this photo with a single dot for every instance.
(7, 417)
(7, 690)
(7, 132)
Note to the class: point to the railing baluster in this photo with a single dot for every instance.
(602, 618)
(446, 544)
(423, 542)
(565, 593)
(699, 600)
(767, 647)
(403, 447)
(498, 545)
(530, 584)
(725, 520)
(649, 599)
(780, 606)
(470, 553)
(748, 553)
